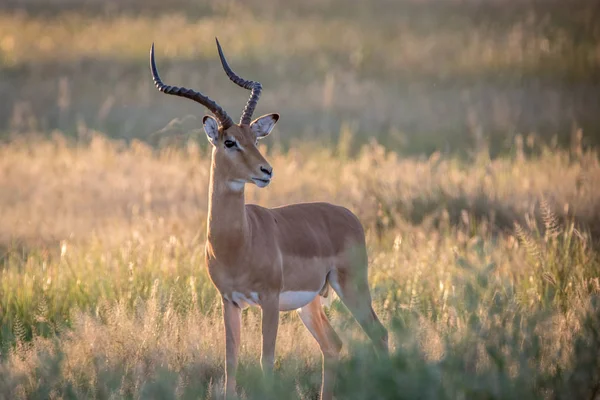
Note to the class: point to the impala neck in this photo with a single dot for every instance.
(227, 226)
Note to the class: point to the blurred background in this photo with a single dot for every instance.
(418, 76)
(463, 134)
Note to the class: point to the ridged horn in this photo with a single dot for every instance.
(255, 87)
(216, 109)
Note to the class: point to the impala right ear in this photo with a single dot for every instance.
(211, 127)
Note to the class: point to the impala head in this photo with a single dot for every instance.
(235, 145)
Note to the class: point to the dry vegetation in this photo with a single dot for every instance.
(419, 77)
(484, 249)
(103, 292)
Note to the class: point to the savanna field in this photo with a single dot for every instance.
(464, 135)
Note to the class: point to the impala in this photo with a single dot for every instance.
(279, 259)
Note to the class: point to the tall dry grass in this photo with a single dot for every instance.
(421, 76)
(484, 267)
(483, 270)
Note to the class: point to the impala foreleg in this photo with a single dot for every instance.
(233, 321)
(314, 318)
(270, 325)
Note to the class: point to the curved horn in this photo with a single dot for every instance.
(256, 88)
(216, 109)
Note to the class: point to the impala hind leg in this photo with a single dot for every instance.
(354, 293)
(315, 320)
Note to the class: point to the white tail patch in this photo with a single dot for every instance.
(293, 300)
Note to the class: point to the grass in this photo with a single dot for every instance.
(486, 273)
(418, 77)
(484, 244)
(332, 41)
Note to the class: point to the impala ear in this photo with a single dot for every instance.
(262, 126)
(211, 127)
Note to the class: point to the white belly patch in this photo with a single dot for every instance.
(292, 300)
(289, 300)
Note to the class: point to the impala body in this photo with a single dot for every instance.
(279, 259)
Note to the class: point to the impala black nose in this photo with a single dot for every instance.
(267, 170)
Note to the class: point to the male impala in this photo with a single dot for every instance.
(279, 259)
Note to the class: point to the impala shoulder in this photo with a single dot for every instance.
(255, 209)
(258, 215)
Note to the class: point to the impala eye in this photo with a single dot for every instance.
(229, 144)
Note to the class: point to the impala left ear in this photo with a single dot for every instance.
(262, 126)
